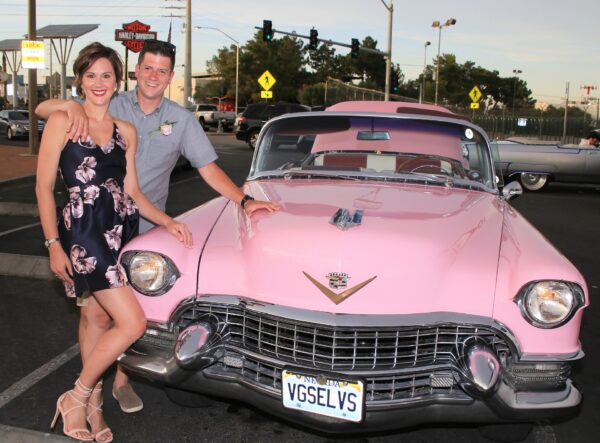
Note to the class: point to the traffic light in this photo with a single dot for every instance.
(267, 31)
(395, 87)
(354, 48)
(313, 42)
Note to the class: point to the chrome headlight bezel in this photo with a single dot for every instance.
(528, 296)
(167, 268)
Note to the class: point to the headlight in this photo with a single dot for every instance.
(549, 303)
(150, 273)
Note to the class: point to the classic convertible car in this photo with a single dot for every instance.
(396, 286)
(536, 164)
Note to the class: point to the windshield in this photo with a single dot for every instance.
(18, 115)
(378, 148)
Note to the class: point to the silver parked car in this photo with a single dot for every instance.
(537, 163)
(15, 123)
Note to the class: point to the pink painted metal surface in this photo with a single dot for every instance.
(200, 221)
(431, 249)
(414, 137)
(390, 107)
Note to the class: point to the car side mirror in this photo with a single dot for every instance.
(512, 190)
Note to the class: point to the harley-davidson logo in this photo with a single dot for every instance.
(338, 298)
(338, 280)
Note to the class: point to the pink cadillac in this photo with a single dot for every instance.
(396, 286)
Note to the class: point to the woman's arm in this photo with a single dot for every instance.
(147, 209)
(53, 141)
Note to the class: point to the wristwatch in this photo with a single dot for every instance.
(245, 199)
(48, 242)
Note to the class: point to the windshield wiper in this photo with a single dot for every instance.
(309, 174)
(438, 178)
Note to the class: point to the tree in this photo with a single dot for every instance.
(281, 57)
(457, 80)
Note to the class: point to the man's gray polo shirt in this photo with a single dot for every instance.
(157, 153)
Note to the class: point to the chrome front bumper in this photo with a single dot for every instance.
(203, 354)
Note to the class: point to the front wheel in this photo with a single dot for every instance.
(203, 124)
(533, 182)
(9, 134)
(252, 139)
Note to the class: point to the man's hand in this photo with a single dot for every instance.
(255, 205)
(78, 125)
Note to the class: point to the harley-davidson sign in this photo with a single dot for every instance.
(133, 35)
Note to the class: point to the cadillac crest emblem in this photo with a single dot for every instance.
(338, 280)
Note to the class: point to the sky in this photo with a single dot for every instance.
(552, 43)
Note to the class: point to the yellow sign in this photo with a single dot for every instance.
(32, 54)
(475, 94)
(266, 80)
(266, 94)
(474, 105)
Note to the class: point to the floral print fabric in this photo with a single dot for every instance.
(99, 217)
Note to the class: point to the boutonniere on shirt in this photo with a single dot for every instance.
(165, 128)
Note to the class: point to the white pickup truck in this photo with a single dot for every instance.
(209, 116)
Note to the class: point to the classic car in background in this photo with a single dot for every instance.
(395, 287)
(536, 163)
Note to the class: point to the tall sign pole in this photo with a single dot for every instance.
(32, 93)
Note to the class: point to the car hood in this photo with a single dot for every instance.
(419, 248)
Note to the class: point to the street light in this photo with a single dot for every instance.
(237, 59)
(422, 90)
(515, 72)
(437, 24)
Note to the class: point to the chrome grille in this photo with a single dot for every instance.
(398, 387)
(341, 348)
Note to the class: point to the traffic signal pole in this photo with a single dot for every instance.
(329, 42)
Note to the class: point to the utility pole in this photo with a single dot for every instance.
(564, 136)
(388, 58)
(187, 69)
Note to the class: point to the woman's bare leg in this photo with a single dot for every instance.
(94, 321)
(129, 324)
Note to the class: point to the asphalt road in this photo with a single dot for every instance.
(38, 334)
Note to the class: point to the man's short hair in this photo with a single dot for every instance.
(160, 47)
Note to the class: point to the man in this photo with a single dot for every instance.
(592, 140)
(165, 131)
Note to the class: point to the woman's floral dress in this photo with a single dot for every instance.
(100, 218)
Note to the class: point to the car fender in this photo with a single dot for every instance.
(525, 256)
(200, 222)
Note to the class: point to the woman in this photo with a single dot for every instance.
(100, 217)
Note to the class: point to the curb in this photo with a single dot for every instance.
(16, 265)
(10, 434)
(17, 209)
(26, 179)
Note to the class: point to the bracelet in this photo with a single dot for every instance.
(245, 199)
(48, 242)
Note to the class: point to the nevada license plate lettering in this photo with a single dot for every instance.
(325, 396)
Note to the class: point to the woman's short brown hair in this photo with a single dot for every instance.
(88, 56)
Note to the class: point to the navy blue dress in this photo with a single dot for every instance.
(100, 218)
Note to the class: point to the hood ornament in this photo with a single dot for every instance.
(343, 219)
(338, 298)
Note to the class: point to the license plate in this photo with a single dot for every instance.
(341, 399)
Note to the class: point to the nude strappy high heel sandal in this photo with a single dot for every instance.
(97, 410)
(79, 394)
